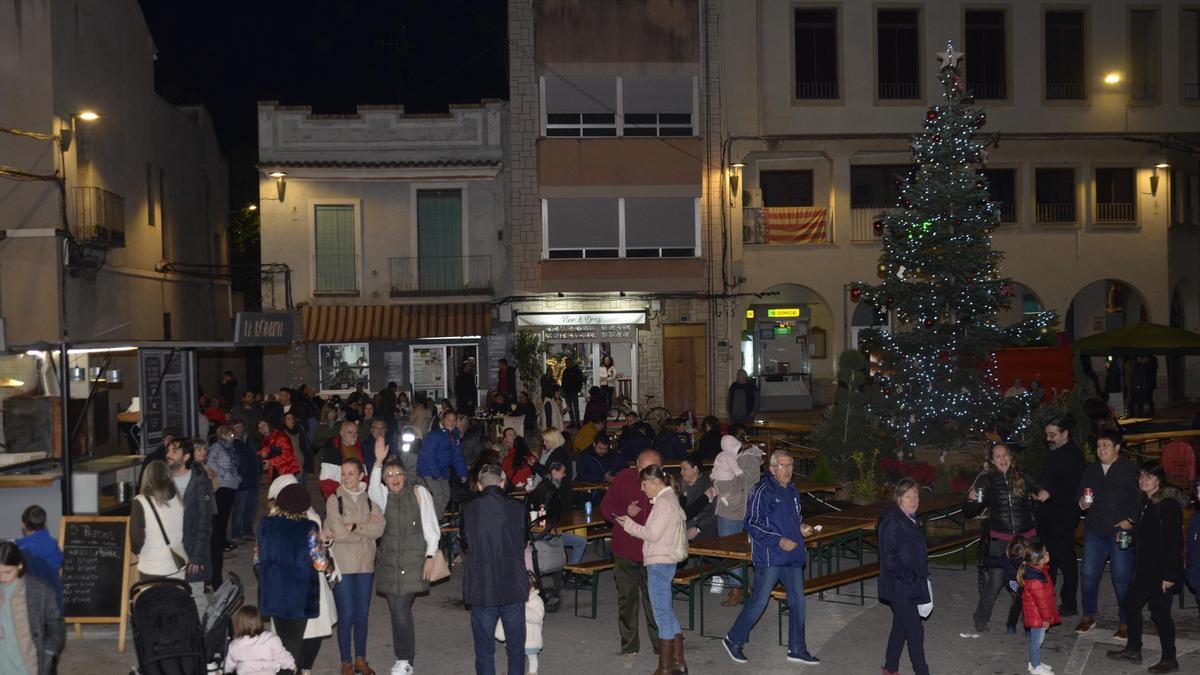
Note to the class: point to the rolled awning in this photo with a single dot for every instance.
(363, 323)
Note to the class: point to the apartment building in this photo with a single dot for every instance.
(615, 173)
(394, 229)
(1094, 107)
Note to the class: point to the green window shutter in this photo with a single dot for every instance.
(336, 261)
(439, 239)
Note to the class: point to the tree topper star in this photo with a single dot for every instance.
(949, 57)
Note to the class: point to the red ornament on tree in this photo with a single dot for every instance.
(931, 115)
(856, 294)
(929, 323)
(1006, 290)
(878, 225)
(889, 300)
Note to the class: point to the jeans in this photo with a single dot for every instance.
(658, 584)
(994, 581)
(483, 629)
(578, 546)
(906, 627)
(353, 599)
(725, 527)
(1096, 550)
(1036, 637)
(245, 504)
(404, 639)
(631, 587)
(765, 578)
(1160, 610)
(1059, 538)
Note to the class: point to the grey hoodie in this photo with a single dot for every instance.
(732, 494)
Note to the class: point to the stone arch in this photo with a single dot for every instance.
(1023, 304)
(822, 326)
(1104, 304)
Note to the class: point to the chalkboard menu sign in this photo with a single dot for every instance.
(95, 573)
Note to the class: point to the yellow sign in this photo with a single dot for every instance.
(749, 314)
(785, 313)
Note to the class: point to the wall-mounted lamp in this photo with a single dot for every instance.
(1157, 161)
(66, 135)
(735, 179)
(280, 183)
(1112, 78)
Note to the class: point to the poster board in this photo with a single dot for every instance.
(167, 380)
(96, 571)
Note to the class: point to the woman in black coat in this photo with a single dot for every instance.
(1157, 567)
(903, 576)
(1008, 495)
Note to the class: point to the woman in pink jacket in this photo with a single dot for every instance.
(664, 544)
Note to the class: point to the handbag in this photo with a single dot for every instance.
(926, 608)
(441, 569)
(179, 561)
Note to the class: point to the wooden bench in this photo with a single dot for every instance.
(588, 573)
(828, 582)
(686, 581)
(951, 543)
(599, 533)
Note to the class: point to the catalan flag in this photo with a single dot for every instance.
(795, 225)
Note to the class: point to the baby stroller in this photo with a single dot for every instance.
(167, 634)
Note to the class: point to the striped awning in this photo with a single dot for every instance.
(362, 323)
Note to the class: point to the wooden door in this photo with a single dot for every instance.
(685, 368)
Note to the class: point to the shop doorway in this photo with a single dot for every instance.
(685, 368)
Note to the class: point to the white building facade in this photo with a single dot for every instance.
(394, 229)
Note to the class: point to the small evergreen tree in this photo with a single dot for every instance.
(851, 424)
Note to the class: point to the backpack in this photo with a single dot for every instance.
(1179, 462)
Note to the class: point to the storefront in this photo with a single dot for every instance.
(591, 336)
(778, 348)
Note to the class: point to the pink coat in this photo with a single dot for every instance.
(664, 536)
(262, 654)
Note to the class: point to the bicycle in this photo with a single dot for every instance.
(655, 415)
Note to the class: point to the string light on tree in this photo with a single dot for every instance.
(940, 280)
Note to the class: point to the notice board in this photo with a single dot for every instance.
(168, 384)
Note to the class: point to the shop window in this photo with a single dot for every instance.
(816, 46)
(1055, 195)
(660, 228)
(1144, 43)
(581, 106)
(1002, 188)
(657, 105)
(786, 188)
(1064, 56)
(334, 255)
(1115, 195)
(344, 365)
(898, 45)
(987, 54)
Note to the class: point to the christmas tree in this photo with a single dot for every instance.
(941, 281)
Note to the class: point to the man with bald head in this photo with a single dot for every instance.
(625, 498)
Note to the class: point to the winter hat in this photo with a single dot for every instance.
(730, 444)
(281, 481)
(293, 499)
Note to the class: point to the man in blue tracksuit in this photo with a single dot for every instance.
(777, 535)
(440, 453)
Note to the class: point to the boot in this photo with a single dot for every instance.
(361, 667)
(734, 599)
(347, 668)
(680, 664)
(666, 657)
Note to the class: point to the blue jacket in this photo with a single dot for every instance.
(672, 445)
(43, 559)
(773, 512)
(439, 453)
(288, 586)
(591, 467)
(1192, 573)
(903, 559)
(248, 468)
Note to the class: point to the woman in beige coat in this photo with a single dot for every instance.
(353, 523)
(664, 544)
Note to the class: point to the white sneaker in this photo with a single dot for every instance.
(972, 635)
(1040, 669)
(402, 668)
(716, 585)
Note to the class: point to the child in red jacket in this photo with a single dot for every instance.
(1037, 603)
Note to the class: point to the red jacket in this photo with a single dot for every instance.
(516, 474)
(1037, 601)
(626, 488)
(277, 449)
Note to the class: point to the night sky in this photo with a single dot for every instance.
(330, 54)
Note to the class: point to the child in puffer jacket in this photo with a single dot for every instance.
(1038, 603)
(535, 614)
(255, 650)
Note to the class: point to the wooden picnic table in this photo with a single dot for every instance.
(575, 521)
(805, 485)
(1138, 445)
(930, 505)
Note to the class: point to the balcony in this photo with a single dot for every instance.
(447, 275)
(1007, 211)
(99, 217)
(862, 224)
(1191, 91)
(1065, 91)
(1115, 213)
(1056, 213)
(989, 91)
(816, 91)
(899, 91)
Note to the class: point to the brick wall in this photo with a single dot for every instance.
(524, 118)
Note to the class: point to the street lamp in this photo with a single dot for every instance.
(1156, 161)
(735, 179)
(280, 182)
(65, 136)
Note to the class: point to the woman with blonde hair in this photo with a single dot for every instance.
(555, 449)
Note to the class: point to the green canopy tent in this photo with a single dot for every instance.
(1140, 339)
